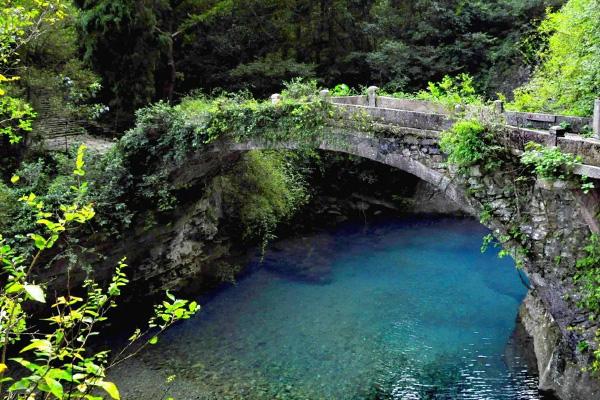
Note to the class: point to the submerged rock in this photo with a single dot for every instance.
(302, 261)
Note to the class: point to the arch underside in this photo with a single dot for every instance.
(377, 150)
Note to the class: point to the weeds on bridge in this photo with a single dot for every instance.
(470, 143)
(451, 91)
(300, 116)
(549, 162)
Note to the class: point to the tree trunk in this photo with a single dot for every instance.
(170, 73)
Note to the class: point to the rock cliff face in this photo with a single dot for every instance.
(187, 250)
(558, 374)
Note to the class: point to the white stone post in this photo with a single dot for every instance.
(372, 96)
(596, 120)
(499, 106)
(325, 95)
(275, 98)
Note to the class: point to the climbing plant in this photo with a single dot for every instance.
(301, 115)
(588, 275)
(588, 278)
(264, 190)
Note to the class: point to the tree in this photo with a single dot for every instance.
(568, 78)
(130, 43)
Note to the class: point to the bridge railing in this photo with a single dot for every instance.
(540, 121)
(521, 127)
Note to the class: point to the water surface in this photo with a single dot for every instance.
(402, 309)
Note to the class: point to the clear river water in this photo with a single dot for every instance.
(399, 309)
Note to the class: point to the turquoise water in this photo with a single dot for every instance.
(403, 309)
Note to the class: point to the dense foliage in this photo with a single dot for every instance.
(133, 177)
(21, 22)
(151, 50)
(56, 357)
(568, 79)
(41, 74)
(264, 190)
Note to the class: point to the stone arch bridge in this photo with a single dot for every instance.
(548, 221)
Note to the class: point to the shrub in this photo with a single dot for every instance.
(450, 91)
(549, 162)
(341, 90)
(469, 142)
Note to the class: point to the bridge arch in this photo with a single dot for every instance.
(423, 160)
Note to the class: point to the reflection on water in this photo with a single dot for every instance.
(399, 310)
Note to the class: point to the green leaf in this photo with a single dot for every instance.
(40, 344)
(13, 287)
(35, 292)
(55, 387)
(29, 365)
(79, 162)
(14, 179)
(22, 384)
(40, 242)
(153, 340)
(60, 374)
(110, 388)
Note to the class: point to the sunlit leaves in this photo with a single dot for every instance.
(79, 162)
(110, 388)
(16, 117)
(21, 21)
(35, 292)
(40, 345)
(568, 79)
(171, 310)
